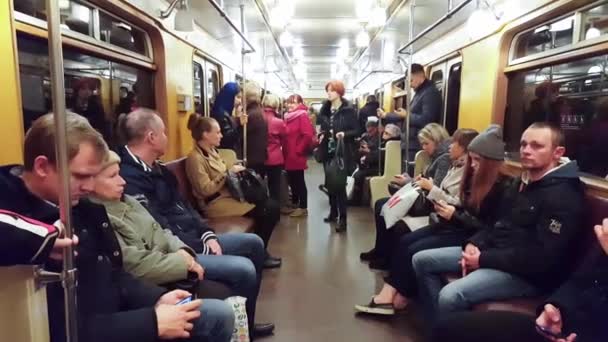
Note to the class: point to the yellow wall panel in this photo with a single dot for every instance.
(11, 129)
(478, 84)
(387, 101)
(178, 63)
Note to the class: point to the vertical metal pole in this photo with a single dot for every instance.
(408, 87)
(59, 110)
(243, 54)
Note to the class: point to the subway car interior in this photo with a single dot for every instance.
(304, 170)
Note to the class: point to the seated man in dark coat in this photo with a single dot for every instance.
(112, 305)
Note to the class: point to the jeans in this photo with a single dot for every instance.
(299, 192)
(216, 322)
(402, 275)
(479, 286)
(240, 267)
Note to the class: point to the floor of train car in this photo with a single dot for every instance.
(311, 297)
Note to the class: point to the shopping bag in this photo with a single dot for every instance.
(241, 325)
(399, 204)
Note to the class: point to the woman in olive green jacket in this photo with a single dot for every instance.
(150, 252)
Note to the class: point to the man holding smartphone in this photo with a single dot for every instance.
(577, 311)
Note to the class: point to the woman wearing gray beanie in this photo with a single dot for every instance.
(481, 189)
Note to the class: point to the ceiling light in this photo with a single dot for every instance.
(362, 8)
(183, 17)
(378, 17)
(282, 13)
(298, 52)
(592, 32)
(362, 39)
(478, 22)
(286, 39)
(562, 25)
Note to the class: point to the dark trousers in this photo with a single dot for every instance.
(386, 239)
(337, 204)
(359, 177)
(266, 217)
(401, 275)
(496, 326)
(273, 176)
(297, 183)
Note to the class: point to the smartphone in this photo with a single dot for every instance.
(546, 332)
(184, 301)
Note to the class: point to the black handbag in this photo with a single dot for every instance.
(253, 187)
(421, 207)
(320, 152)
(335, 171)
(233, 182)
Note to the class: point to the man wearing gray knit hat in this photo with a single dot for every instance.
(524, 252)
(489, 143)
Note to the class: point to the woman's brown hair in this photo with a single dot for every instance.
(476, 185)
(198, 124)
(464, 136)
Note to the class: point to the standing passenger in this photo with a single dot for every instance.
(299, 141)
(226, 100)
(341, 124)
(277, 131)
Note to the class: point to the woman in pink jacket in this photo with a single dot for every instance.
(273, 167)
(299, 142)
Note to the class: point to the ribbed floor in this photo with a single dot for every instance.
(311, 297)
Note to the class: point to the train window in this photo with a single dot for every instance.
(437, 78)
(595, 22)
(80, 17)
(453, 98)
(213, 81)
(573, 95)
(74, 15)
(199, 95)
(549, 36)
(117, 32)
(96, 88)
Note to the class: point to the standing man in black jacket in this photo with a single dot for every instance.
(370, 109)
(112, 305)
(524, 252)
(425, 108)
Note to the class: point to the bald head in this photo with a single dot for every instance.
(136, 125)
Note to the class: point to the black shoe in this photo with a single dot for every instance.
(323, 189)
(379, 264)
(329, 219)
(341, 227)
(369, 255)
(272, 262)
(262, 329)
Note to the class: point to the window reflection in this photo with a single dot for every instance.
(595, 22)
(547, 37)
(571, 95)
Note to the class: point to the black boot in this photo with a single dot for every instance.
(341, 227)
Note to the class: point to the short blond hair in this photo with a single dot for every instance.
(271, 101)
(433, 132)
(40, 139)
(252, 92)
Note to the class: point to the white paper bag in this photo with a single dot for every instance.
(400, 203)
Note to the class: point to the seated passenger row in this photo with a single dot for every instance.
(514, 237)
(113, 305)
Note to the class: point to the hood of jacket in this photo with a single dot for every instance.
(566, 171)
(296, 113)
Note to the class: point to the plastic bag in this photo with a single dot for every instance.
(241, 325)
(399, 204)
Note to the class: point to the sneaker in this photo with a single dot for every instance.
(376, 309)
(299, 212)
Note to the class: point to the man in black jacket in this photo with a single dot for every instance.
(577, 311)
(425, 108)
(235, 259)
(112, 305)
(369, 110)
(524, 252)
